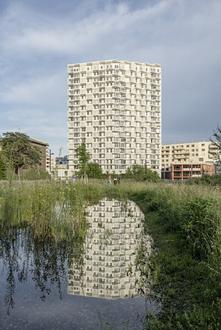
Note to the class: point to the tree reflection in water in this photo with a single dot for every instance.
(44, 259)
(44, 251)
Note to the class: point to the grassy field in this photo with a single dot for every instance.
(183, 220)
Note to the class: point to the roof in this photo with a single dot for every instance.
(38, 142)
(183, 143)
(115, 61)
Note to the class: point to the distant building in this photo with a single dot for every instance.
(62, 160)
(114, 107)
(61, 172)
(43, 148)
(59, 167)
(190, 155)
(51, 162)
(191, 171)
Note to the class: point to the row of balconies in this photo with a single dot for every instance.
(73, 143)
(109, 108)
(98, 104)
(77, 84)
(109, 100)
(127, 76)
(126, 90)
(118, 71)
(143, 147)
(113, 89)
(110, 154)
(131, 137)
(111, 117)
(126, 114)
(115, 64)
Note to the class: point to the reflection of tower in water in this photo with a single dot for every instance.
(109, 269)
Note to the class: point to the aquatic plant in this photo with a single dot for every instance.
(184, 221)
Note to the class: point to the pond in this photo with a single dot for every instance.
(96, 284)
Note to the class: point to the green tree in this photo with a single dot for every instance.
(216, 140)
(83, 159)
(18, 152)
(94, 171)
(2, 168)
(141, 173)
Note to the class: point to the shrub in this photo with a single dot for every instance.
(212, 180)
(2, 169)
(141, 173)
(94, 171)
(200, 226)
(34, 174)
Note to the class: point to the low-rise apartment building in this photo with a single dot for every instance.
(198, 157)
(189, 171)
(42, 147)
(59, 167)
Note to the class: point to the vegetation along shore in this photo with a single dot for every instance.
(183, 220)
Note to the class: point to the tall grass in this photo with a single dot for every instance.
(52, 209)
(184, 221)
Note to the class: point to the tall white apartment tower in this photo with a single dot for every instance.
(114, 107)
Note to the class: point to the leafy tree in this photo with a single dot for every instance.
(2, 168)
(18, 151)
(216, 140)
(141, 173)
(94, 171)
(83, 159)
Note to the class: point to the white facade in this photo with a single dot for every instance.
(61, 172)
(108, 267)
(50, 161)
(114, 107)
(202, 152)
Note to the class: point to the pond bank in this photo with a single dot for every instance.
(184, 222)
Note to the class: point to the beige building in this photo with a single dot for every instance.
(42, 147)
(195, 153)
(60, 172)
(191, 171)
(108, 267)
(59, 167)
(50, 161)
(114, 107)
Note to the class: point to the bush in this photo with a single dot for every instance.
(34, 174)
(2, 169)
(141, 173)
(184, 223)
(200, 226)
(212, 180)
(94, 171)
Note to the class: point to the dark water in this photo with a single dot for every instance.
(94, 285)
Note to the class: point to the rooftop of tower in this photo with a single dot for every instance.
(114, 61)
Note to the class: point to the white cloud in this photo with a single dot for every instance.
(47, 89)
(44, 34)
(181, 35)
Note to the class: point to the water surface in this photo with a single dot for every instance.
(93, 285)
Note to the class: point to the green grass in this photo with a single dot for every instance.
(184, 223)
(183, 220)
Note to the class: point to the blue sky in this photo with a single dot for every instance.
(39, 38)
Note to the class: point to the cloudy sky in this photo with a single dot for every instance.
(38, 39)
